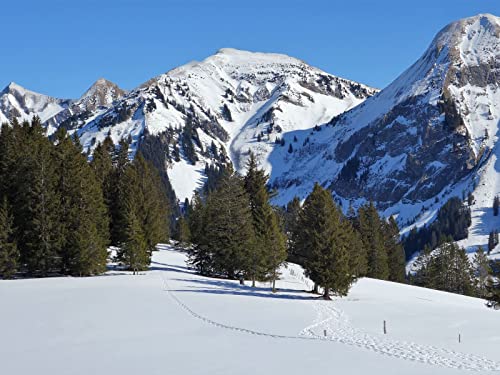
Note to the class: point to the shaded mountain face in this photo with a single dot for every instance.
(418, 138)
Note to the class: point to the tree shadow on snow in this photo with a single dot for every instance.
(232, 288)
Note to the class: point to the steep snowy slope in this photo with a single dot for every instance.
(232, 102)
(423, 138)
(169, 320)
(17, 102)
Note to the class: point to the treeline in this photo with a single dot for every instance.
(59, 212)
(453, 220)
(236, 233)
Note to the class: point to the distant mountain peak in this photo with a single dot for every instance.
(102, 93)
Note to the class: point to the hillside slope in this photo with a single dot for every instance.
(171, 320)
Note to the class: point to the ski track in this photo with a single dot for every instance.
(339, 329)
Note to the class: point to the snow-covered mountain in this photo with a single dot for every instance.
(228, 104)
(430, 134)
(18, 102)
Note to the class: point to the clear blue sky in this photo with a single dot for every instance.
(60, 47)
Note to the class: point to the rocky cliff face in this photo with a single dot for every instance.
(414, 141)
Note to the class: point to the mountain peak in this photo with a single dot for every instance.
(101, 93)
(13, 87)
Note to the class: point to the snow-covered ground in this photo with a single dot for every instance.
(169, 320)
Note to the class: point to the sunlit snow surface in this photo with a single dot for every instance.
(169, 320)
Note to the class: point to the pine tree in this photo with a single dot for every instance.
(119, 185)
(496, 205)
(292, 216)
(182, 233)
(153, 210)
(371, 231)
(84, 219)
(134, 250)
(447, 268)
(396, 255)
(37, 203)
(228, 235)
(269, 251)
(102, 165)
(9, 253)
(482, 270)
(323, 239)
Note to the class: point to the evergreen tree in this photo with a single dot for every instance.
(269, 251)
(102, 165)
(182, 233)
(37, 202)
(153, 211)
(371, 229)
(447, 268)
(84, 219)
(228, 236)
(292, 216)
(134, 249)
(496, 205)
(492, 240)
(396, 255)
(9, 253)
(324, 240)
(482, 271)
(119, 185)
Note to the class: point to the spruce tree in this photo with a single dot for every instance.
(9, 253)
(292, 216)
(182, 233)
(84, 219)
(134, 248)
(496, 205)
(396, 255)
(323, 239)
(37, 203)
(269, 250)
(102, 165)
(447, 268)
(153, 210)
(228, 235)
(119, 185)
(482, 270)
(371, 231)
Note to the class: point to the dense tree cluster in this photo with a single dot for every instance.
(235, 231)
(448, 268)
(453, 219)
(59, 213)
(359, 245)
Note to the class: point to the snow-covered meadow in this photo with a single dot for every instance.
(170, 320)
